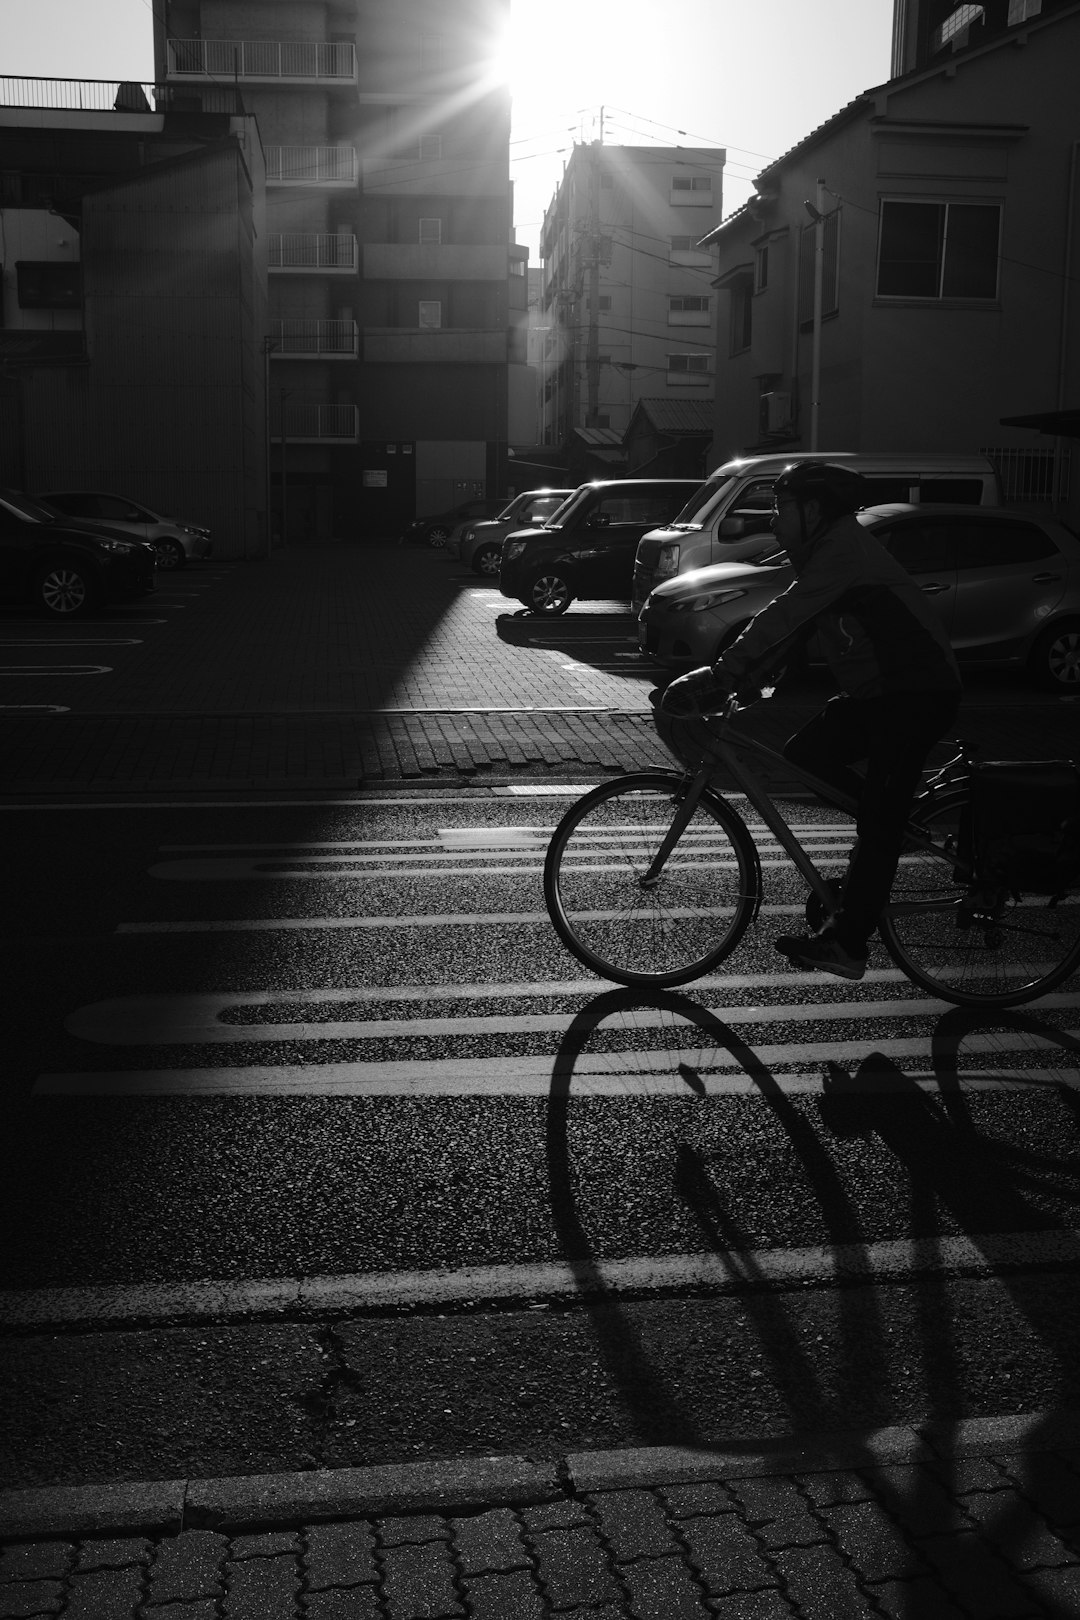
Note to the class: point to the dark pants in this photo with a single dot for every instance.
(893, 734)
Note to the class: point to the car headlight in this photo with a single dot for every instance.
(190, 528)
(469, 534)
(512, 549)
(708, 599)
(667, 564)
(123, 548)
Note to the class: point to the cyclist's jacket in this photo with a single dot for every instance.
(876, 629)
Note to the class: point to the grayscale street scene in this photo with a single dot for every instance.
(462, 1161)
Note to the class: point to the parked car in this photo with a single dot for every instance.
(1006, 584)
(732, 508)
(174, 541)
(436, 528)
(587, 549)
(478, 541)
(64, 567)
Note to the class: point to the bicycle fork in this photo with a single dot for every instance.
(680, 821)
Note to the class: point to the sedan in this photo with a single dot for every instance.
(174, 541)
(436, 528)
(63, 567)
(1006, 585)
(477, 542)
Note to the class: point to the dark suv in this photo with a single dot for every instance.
(65, 567)
(589, 552)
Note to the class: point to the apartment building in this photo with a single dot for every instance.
(929, 30)
(132, 301)
(627, 301)
(391, 339)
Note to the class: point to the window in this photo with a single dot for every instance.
(603, 303)
(938, 250)
(830, 272)
(687, 305)
(48, 284)
(517, 267)
(431, 230)
(920, 548)
(691, 182)
(682, 244)
(1021, 10)
(430, 148)
(761, 268)
(996, 542)
(742, 305)
(430, 314)
(688, 368)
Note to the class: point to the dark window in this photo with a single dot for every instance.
(964, 491)
(47, 284)
(998, 542)
(742, 308)
(885, 490)
(919, 547)
(938, 250)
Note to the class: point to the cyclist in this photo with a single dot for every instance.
(898, 678)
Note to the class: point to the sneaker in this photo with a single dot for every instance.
(824, 952)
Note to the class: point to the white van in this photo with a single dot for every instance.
(727, 519)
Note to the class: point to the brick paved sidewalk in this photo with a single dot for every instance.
(979, 1519)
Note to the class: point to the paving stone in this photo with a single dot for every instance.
(412, 1531)
(355, 1603)
(201, 1609)
(262, 1589)
(32, 1560)
(489, 1541)
(725, 1555)
(105, 1594)
(340, 1555)
(504, 1594)
(419, 1582)
(115, 1553)
(1049, 1484)
(778, 1512)
(573, 1569)
(826, 1490)
(822, 1586)
(565, 1515)
(663, 1589)
(923, 1598)
(264, 1546)
(697, 1501)
(1019, 1533)
(912, 1494)
(961, 1476)
(1058, 1589)
(873, 1541)
(19, 1599)
(633, 1524)
(188, 1566)
(769, 1605)
(972, 1572)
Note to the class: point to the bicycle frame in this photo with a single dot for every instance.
(726, 751)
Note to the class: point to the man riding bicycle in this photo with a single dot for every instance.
(899, 687)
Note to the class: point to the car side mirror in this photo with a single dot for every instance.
(732, 528)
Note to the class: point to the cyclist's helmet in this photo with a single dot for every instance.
(838, 489)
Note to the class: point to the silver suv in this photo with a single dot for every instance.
(478, 542)
(174, 542)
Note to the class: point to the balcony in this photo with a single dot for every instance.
(123, 96)
(299, 252)
(435, 177)
(446, 261)
(306, 339)
(303, 62)
(336, 166)
(410, 345)
(316, 424)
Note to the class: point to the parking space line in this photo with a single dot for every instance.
(55, 669)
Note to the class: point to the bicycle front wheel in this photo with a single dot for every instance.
(1016, 951)
(639, 930)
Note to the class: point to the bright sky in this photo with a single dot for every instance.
(753, 76)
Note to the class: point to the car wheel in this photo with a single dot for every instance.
(438, 535)
(64, 590)
(1055, 659)
(487, 560)
(169, 554)
(548, 594)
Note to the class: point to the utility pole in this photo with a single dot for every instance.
(592, 350)
(819, 282)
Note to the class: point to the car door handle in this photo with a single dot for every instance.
(1044, 579)
(934, 590)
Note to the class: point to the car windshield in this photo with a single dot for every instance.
(24, 507)
(563, 509)
(702, 501)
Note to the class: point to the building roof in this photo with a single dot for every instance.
(678, 415)
(599, 438)
(1066, 422)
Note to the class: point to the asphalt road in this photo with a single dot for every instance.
(321, 1150)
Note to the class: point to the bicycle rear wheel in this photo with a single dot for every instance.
(674, 928)
(996, 956)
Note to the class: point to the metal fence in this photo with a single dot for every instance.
(322, 337)
(311, 165)
(339, 423)
(263, 58)
(1028, 475)
(116, 95)
(312, 250)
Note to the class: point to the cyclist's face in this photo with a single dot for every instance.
(785, 521)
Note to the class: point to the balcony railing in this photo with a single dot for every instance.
(115, 95)
(311, 165)
(296, 339)
(312, 250)
(309, 60)
(317, 424)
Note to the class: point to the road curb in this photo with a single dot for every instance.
(475, 1484)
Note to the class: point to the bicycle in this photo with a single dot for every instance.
(653, 878)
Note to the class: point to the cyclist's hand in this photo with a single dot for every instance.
(700, 692)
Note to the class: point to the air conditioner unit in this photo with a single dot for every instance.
(776, 414)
